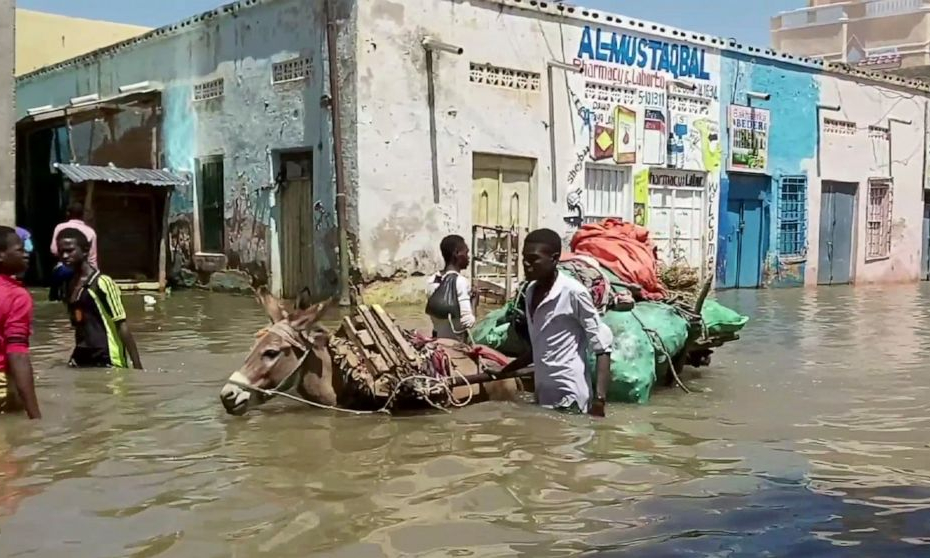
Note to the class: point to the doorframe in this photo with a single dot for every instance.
(277, 239)
(512, 162)
(766, 199)
(857, 221)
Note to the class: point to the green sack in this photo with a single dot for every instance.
(721, 320)
(632, 359)
(671, 330)
(487, 331)
(497, 332)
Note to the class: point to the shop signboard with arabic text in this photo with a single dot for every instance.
(749, 139)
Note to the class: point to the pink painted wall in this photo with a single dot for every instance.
(857, 155)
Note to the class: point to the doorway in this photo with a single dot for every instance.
(295, 198)
(925, 243)
(837, 218)
(747, 238)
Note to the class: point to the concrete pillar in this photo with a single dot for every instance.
(7, 112)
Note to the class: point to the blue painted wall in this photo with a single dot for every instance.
(253, 120)
(795, 93)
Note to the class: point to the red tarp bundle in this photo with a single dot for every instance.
(626, 250)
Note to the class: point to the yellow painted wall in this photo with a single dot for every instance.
(43, 39)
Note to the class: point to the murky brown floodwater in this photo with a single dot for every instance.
(811, 437)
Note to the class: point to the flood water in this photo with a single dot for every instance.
(809, 437)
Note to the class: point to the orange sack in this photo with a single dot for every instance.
(625, 249)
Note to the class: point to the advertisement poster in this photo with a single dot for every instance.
(749, 139)
(640, 197)
(624, 135)
(655, 143)
(693, 142)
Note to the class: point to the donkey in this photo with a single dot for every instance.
(293, 353)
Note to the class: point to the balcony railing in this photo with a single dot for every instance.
(882, 8)
(814, 16)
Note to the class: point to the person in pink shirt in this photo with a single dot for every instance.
(76, 221)
(17, 385)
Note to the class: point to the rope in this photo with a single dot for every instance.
(661, 346)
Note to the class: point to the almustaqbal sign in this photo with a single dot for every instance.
(680, 60)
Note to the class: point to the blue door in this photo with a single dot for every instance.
(747, 237)
(837, 218)
(925, 268)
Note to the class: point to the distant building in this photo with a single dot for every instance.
(886, 35)
(753, 166)
(43, 39)
(7, 92)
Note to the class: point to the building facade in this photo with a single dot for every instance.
(887, 35)
(498, 113)
(836, 195)
(43, 39)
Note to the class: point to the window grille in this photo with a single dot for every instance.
(507, 78)
(792, 216)
(291, 70)
(606, 193)
(839, 127)
(878, 220)
(613, 94)
(212, 89)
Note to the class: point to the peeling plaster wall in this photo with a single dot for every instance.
(401, 224)
(857, 158)
(792, 145)
(253, 120)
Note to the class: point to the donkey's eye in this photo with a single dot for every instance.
(271, 354)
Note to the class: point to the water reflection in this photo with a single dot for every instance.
(807, 437)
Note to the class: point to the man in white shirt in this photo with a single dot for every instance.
(563, 323)
(449, 325)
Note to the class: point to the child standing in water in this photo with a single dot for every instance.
(17, 385)
(102, 336)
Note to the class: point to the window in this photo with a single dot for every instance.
(839, 127)
(606, 192)
(291, 70)
(508, 78)
(792, 216)
(212, 203)
(207, 90)
(878, 220)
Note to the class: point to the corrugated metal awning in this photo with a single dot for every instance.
(147, 177)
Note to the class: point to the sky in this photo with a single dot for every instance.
(745, 20)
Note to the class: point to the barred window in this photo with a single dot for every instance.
(878, 220)
(606, 192)
(607, 93)
(291, 70)
(507, 78)
(212, 89)
(792, 216)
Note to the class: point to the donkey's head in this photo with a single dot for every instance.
(291, 353)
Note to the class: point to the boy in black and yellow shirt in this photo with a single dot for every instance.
(102, 336)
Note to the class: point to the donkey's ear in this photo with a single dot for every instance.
(304, 319)
(304, 299)
(271, 305)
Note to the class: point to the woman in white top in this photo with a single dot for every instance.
(448, 326)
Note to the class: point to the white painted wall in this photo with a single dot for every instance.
(857, 158)
(400, 225)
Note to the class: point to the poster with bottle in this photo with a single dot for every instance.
(655, 145)
(624, 135)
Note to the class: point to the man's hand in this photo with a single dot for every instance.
(598, 408)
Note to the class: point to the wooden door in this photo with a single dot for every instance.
(296, 202)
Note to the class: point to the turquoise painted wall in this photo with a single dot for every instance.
(253, 120)
(792, 145)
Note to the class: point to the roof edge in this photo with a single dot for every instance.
(541, 6)
(171, 30)
(712, 41)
